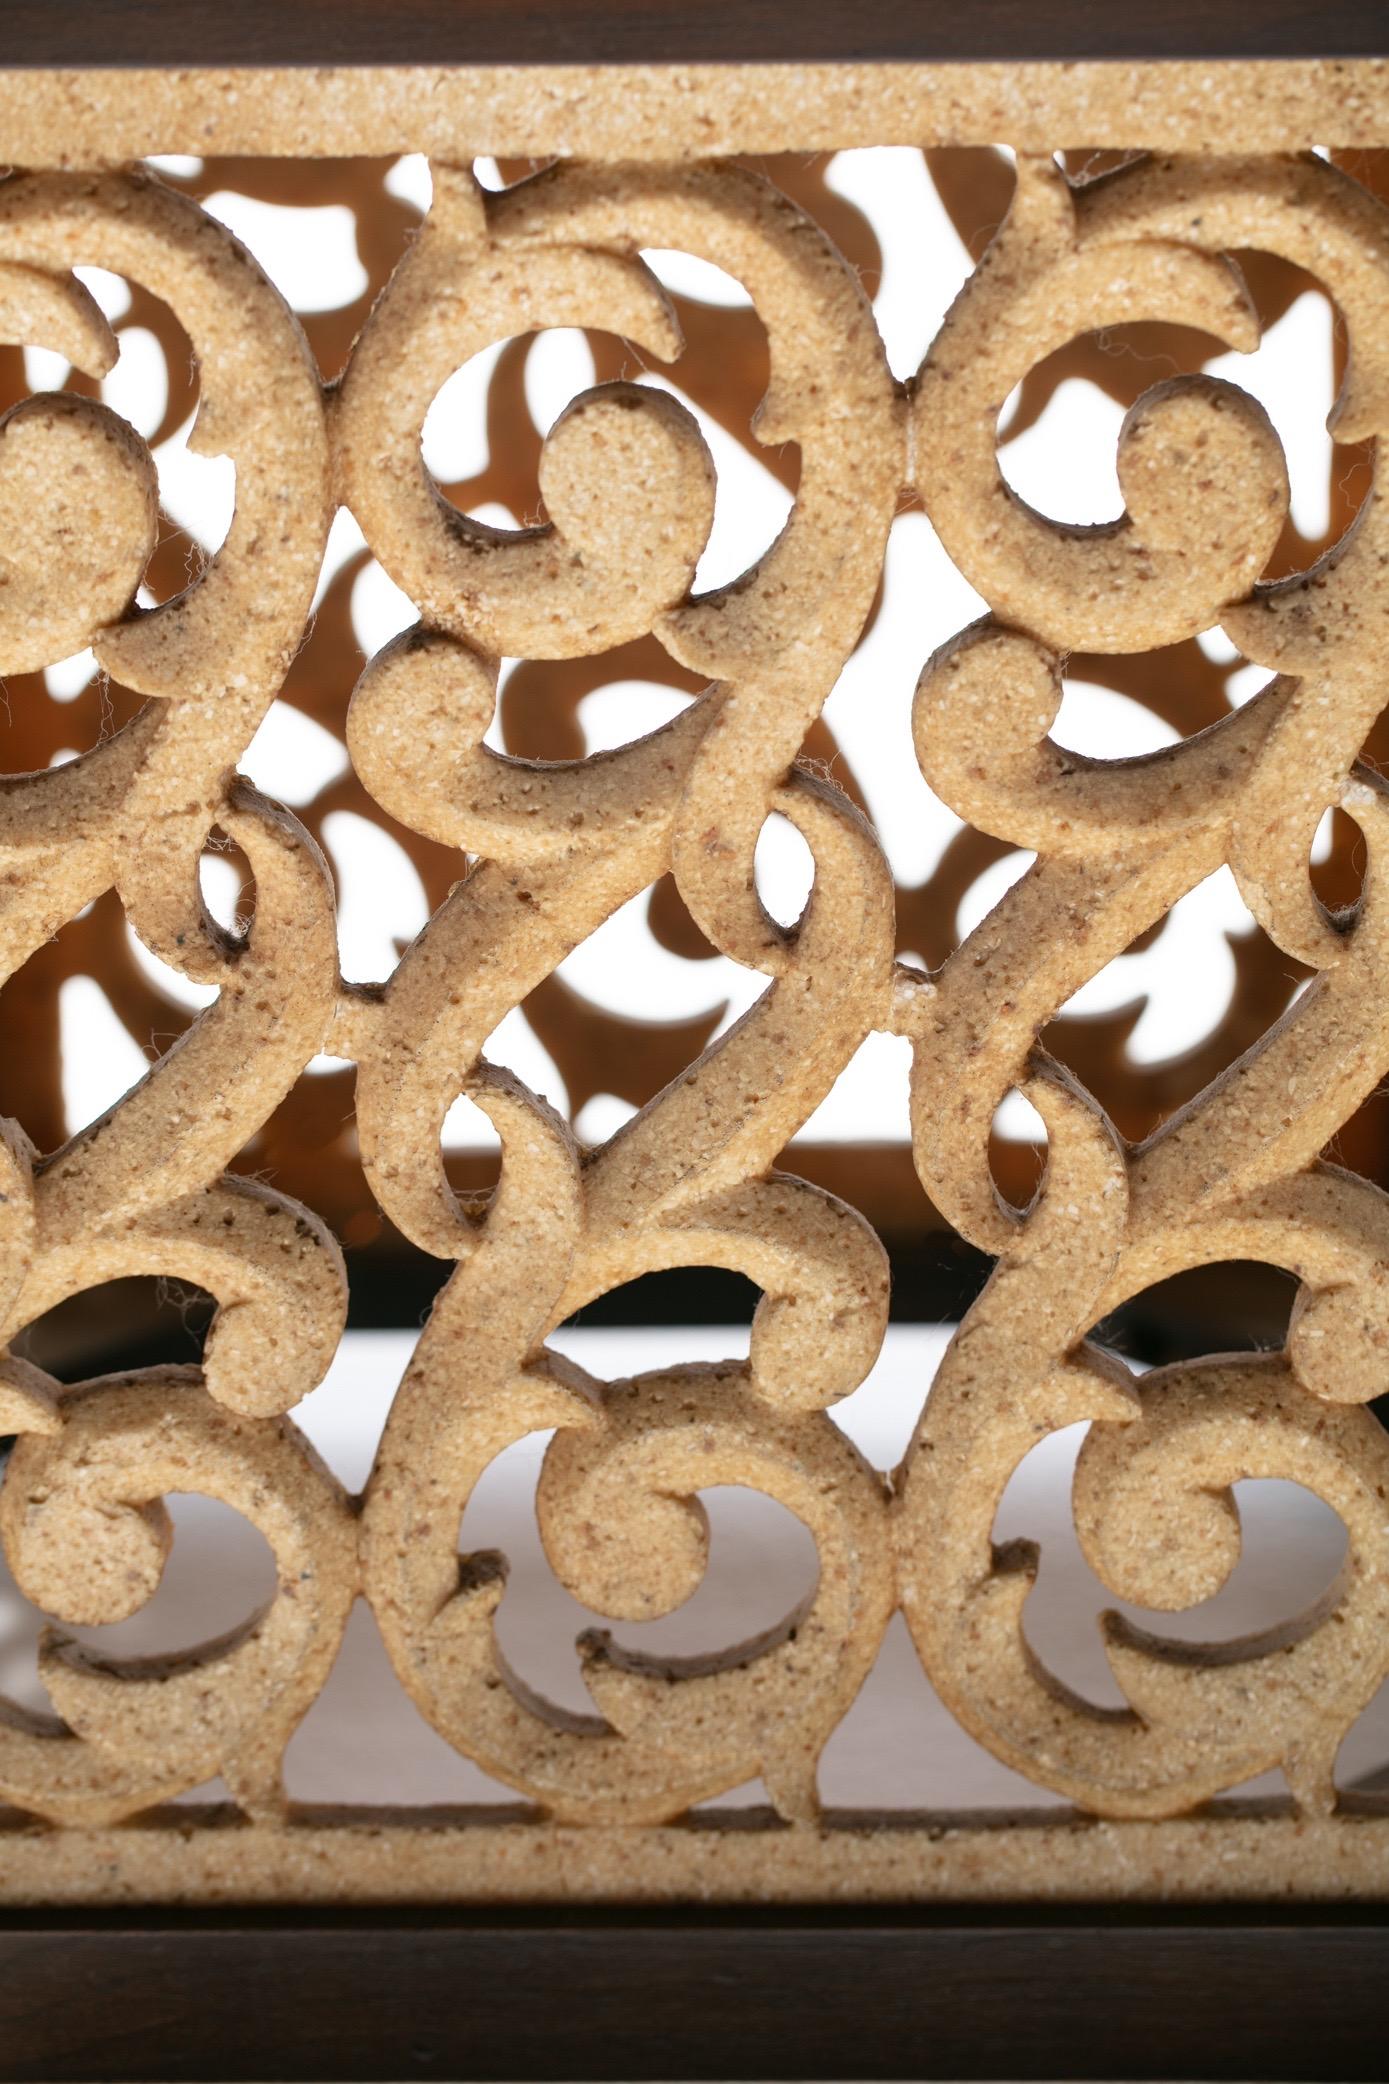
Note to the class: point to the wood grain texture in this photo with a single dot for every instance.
(700, 1996)
(554, 32)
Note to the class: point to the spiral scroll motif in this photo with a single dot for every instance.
(547, 851)
(1238, 1173)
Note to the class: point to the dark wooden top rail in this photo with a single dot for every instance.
(646, 32)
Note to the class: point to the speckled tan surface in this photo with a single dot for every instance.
(652, 112)
(184, 1856)
(547, 852)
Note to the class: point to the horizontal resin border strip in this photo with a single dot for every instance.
(202, 1857)
(84, 118)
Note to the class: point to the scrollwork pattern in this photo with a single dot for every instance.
(548, 850)
(1239, 1172)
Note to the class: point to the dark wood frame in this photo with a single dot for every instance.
(676, 32)
(1001, 1993)
(1270, 1992)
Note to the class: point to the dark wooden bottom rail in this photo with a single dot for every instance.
(1089, 1993)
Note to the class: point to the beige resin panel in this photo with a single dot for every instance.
(545, 851)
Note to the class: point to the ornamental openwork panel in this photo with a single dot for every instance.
(525, 673)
